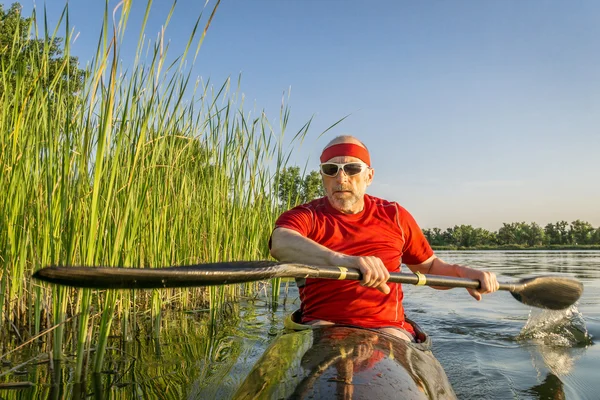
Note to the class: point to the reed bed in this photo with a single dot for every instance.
(146, 166)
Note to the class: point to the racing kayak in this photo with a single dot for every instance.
(343, 362)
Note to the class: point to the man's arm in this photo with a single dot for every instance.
(288, 245)
(436, 266)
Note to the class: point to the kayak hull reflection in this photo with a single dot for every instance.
(340, 362)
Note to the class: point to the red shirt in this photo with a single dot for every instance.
(383, 229)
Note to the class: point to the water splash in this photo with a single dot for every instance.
(559, 338)
(563, 328)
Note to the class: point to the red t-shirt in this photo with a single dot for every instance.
(383, 229)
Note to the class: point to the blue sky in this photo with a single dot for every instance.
(475, 112)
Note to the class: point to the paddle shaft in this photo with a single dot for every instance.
(412, 279)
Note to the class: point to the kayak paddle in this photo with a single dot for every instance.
(552, 292)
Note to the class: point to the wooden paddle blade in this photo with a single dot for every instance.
(552, 292)
(155, 278)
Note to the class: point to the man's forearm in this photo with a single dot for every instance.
(440, 267)
(487, 280)
(436, 266)
(289, 246)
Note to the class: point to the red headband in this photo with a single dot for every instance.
(346, 149)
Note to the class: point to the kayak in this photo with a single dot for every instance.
(345, 362)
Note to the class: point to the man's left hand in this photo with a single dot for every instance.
(489, 283)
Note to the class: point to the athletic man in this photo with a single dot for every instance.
(349, 228)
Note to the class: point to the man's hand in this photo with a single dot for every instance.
(489, 283)
(374, 272)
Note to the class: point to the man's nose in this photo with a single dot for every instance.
(341, 176)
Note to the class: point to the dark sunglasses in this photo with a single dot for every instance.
(350, 169)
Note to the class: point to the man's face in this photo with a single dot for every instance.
(346, 193)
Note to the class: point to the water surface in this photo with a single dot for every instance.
(494, 349)
(499, 348)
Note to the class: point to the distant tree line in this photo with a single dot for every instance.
(517, 234)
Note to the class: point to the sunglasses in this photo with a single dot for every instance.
(350, 169)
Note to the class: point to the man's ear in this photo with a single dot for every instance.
(370, 174)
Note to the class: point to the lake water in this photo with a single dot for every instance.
(499, 348)
(494, 349)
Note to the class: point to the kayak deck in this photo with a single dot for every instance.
(338, 362)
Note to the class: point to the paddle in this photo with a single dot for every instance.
(552, 292)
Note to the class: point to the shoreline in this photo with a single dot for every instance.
(516, 247)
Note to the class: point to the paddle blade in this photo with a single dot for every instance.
(171, 277)
(552, 292)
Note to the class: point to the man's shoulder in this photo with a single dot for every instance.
(390, 207)
(379, 202)
(315, 205)
(301, 217)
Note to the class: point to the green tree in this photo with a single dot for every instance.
(581, 232)
(520, 233)
(596, 236)
(294, 189)
(34, 61)
(434, 236)
(428, 234)
(533, 234)
(465, 236)
(449, 238)
(484, 237)
(509, 233)
(468, 236)
(312, 187)
(437, 236)
(551, 234)
(290, 186)
(564, 232)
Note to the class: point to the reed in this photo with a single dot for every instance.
(145, 166)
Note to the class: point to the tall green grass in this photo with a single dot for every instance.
(148, 166)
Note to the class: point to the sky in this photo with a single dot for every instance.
(474, 112)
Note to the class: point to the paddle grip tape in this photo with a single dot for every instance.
(421, 279)
(343, 271)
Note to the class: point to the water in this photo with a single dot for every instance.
(501, 349)
(497, 348)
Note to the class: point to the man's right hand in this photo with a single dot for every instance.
(374, 272)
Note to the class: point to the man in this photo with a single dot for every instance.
(349, 228)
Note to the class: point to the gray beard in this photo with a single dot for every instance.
(346, 203)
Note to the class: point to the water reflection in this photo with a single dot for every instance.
(550, 389)
(188, 359)
(57, 386)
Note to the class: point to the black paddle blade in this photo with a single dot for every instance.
(552, 292)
